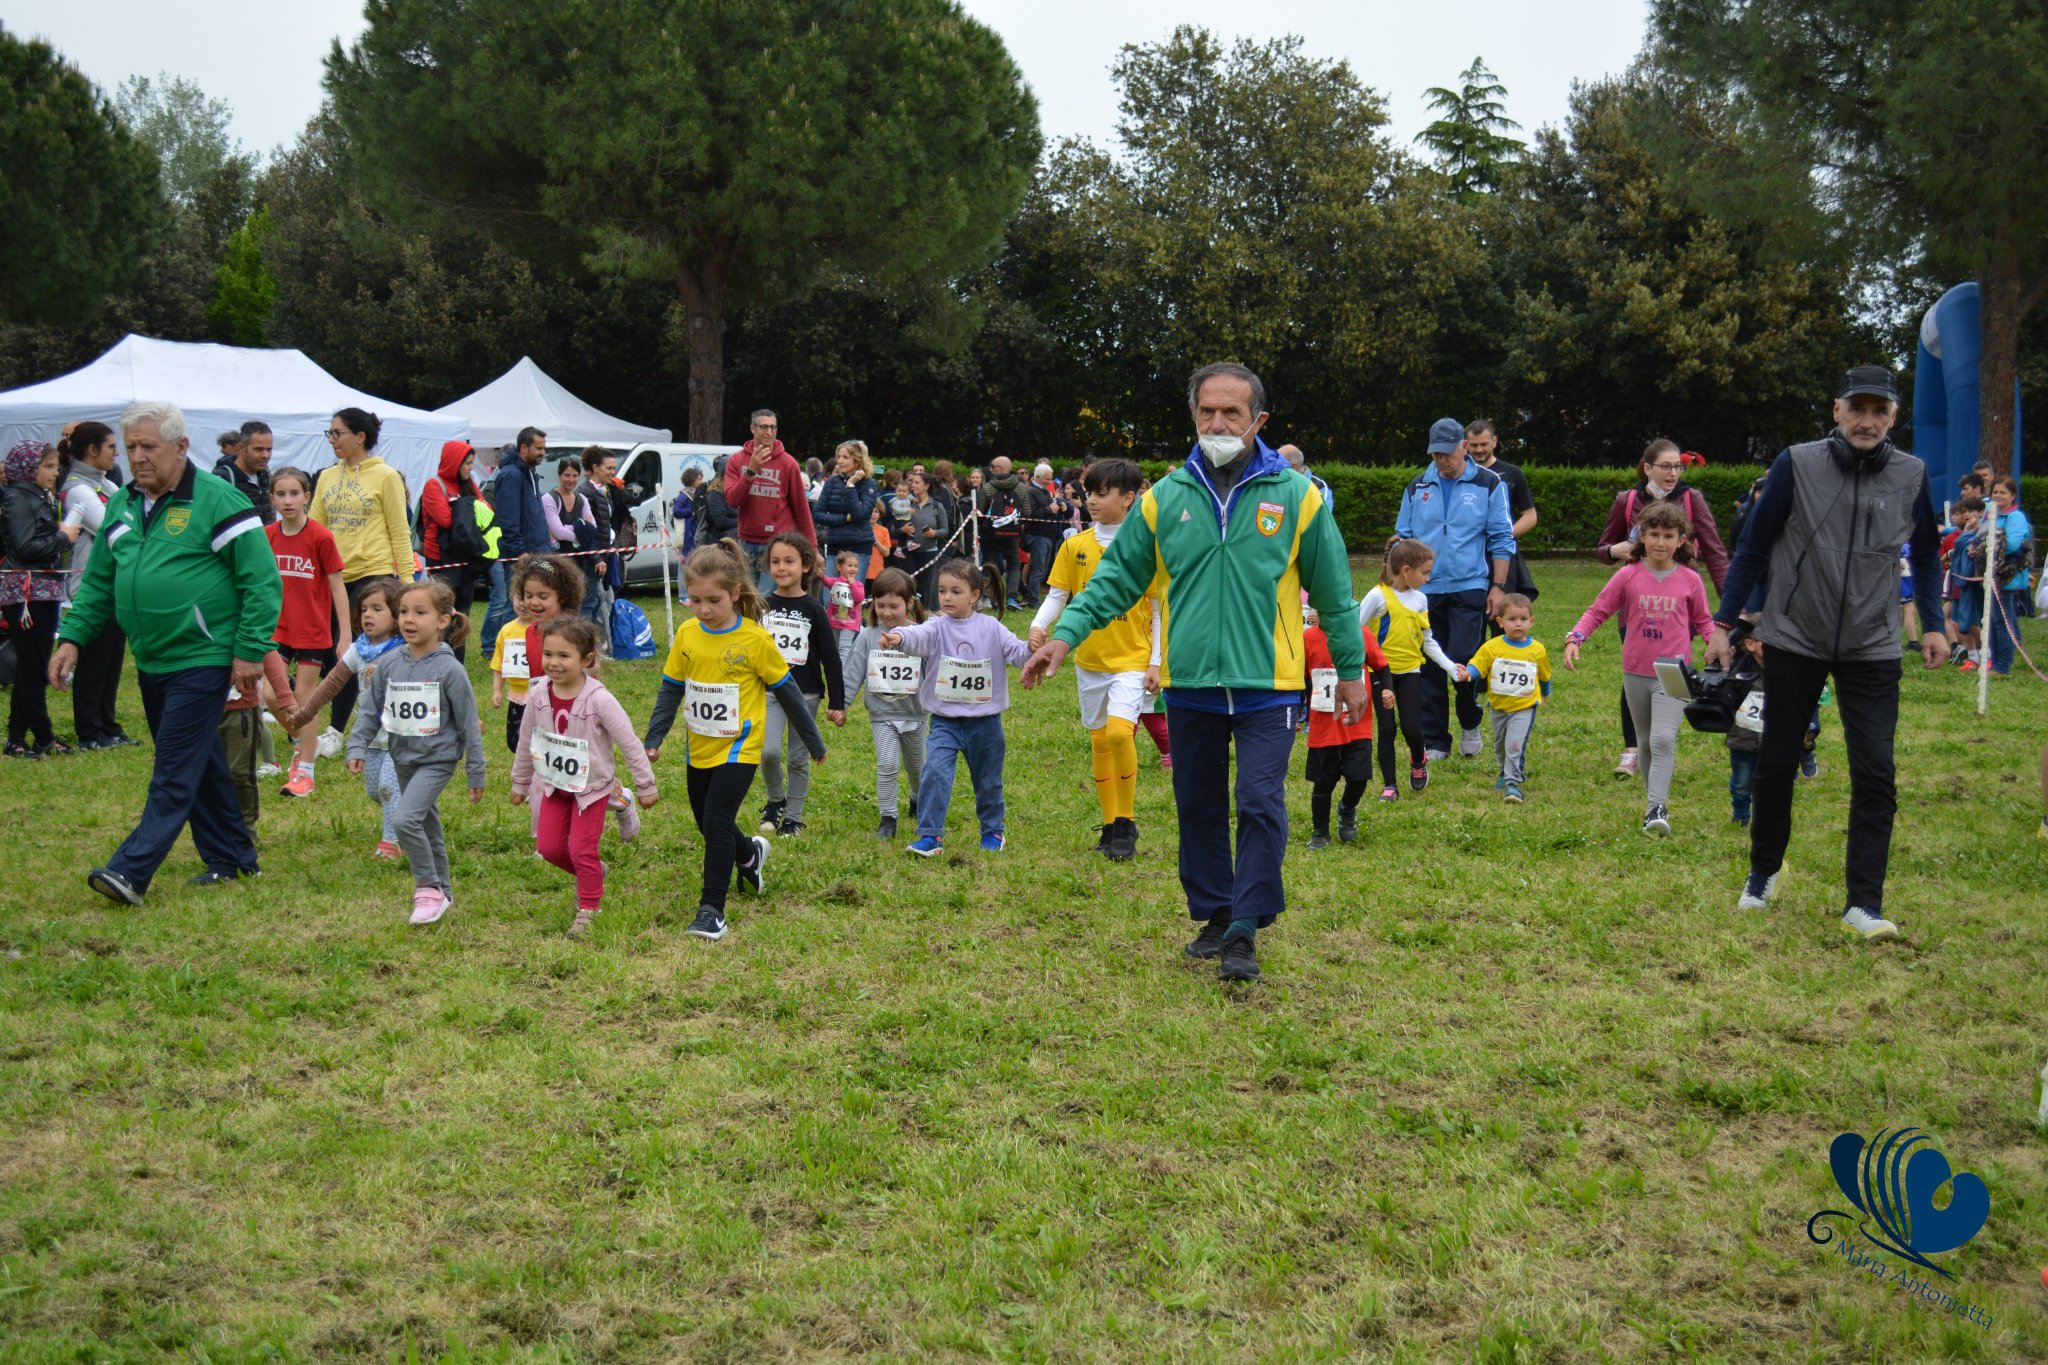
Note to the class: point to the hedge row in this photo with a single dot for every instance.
(1571, 504)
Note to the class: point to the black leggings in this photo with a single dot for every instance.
(33, 626)
(716, 795)
(1319, 800)
(98, 683)
(1628, 717)
(1408, 700)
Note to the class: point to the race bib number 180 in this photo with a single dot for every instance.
(413, 709)
(965, 681)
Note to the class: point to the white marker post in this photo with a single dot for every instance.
(1993, 543)
(668, 613)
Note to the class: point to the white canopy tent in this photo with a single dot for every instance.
(525, 396)
(220, 387)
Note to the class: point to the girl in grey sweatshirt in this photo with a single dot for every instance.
(419, 698)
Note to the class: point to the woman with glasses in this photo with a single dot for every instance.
(1660, 478)
(362, 503)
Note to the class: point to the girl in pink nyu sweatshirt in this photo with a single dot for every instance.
(565, 743)
(1662, 607)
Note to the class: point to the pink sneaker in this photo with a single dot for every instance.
(301, 783)
(429, 904)
(386, 851)
(1166, 762)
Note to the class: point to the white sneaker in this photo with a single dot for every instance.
(268, 770)
(1757, 891)
(332, 742)
(1868, 923)
(1435, 755)
(1469, 743)
(629, 819)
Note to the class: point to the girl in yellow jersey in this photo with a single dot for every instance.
(719, 672)
(1397, 612)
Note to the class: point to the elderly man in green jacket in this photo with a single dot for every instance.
(1231, 539)
(184, 566)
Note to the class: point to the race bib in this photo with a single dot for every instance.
(1322, 689)
(712, 709)
(965, 681)
(891, 674)
(413, 709)
(562, 763)
(515, 657)
(792, 635)
(1511, 677)
(1750, 715)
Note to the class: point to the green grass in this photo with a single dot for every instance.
(1518, 1085)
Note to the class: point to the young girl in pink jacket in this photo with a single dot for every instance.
(565, 741)
(1662, 608)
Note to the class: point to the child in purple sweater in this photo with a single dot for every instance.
(1663, 606)
(966, 689)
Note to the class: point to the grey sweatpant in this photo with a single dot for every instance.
(772, 745)
(1511, 743)
(417, 820)
(1658, 717)
(899, 748)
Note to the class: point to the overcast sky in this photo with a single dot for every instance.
(264, 56)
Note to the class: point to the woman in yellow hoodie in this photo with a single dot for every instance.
(361, 501)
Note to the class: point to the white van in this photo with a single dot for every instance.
(647, 468)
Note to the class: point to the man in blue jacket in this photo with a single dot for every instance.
(522, 524)
(1460, 510)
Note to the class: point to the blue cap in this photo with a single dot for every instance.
(1445, 434)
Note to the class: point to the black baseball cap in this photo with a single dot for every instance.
(1871, 379)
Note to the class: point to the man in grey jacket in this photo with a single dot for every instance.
(1824, 539)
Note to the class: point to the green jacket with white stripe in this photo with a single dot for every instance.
(194, 584)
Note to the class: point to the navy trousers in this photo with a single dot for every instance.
(1201, 742)
(1458, 620)
(190, 782)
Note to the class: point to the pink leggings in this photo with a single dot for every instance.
(568, 839)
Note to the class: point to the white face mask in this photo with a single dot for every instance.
(1221, 450)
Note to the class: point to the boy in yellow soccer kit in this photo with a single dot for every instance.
(1117, 666)
(1514, 672)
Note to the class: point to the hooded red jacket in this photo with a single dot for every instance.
(434, 510)
(769, 500)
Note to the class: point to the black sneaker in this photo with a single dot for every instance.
(754, 878)
(120, 741)
(19, 750)
(56, 748)
(886, 830)
(219, 877)
(709, 923)
(771, 817)
(1123, 841)
(1105, 833)
(1657, 821)
(113, 886)
(789, 829)
(1240, 959)
(1319, 841)
(1347, 824)
(1209, 943)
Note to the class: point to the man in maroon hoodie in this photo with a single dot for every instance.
(765, 485)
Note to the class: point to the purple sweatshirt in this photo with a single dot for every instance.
(977, 637)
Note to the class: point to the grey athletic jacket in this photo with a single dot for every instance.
(1826, 539)
(459, 736)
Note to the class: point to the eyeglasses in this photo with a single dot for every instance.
(1667, 468)
(334, 435)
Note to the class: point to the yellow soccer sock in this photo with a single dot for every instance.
(1123, 753)
(1102, 758)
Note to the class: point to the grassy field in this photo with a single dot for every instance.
(1518, 1084)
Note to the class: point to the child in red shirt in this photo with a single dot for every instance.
(1337, 749)
(309, 565)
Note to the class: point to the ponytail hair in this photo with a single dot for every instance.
(443, 597)
(964, 570)
(724, 562)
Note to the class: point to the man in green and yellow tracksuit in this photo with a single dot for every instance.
(184, 567)
(1227, 544)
